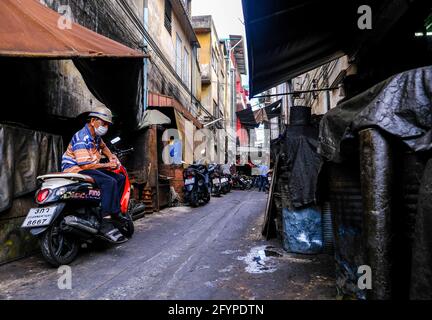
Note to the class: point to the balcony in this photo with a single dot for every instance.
(206, 73)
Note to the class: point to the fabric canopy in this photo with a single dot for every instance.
(289, 37)
(29, 29)
(252, 119)
(247, 118)
(273, 110)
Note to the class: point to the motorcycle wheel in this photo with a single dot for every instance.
(57, 248)
(207, 198)
(194, 202)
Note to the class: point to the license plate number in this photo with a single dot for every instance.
(216, 181)
(189, 181)
(224, 180)
(39, 217)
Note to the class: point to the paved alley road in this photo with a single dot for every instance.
(212, 252)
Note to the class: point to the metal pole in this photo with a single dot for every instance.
(296, 92)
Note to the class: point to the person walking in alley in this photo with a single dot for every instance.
(83, 156)
(263, 177)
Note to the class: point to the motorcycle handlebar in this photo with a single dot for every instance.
(121, 153)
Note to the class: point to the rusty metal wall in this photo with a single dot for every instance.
(376, 167)
(347, 209)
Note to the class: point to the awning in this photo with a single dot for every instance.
(111, 70)
(289, 37)
(154, 117)
(161, 101)
(31, 30)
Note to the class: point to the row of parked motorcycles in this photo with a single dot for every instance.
(202, 182)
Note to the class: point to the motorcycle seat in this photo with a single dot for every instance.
(69, 176)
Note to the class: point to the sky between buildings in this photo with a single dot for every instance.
(227, 16)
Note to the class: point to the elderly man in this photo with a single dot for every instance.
(83, 156)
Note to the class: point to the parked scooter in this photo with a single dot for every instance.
(196, 181)
(226, 184)
(240, 183)
(69, 213)
(215, 180)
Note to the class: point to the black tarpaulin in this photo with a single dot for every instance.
(289, 37)
(24, 155)
(118, 84)
(400, 106)
(301, 164)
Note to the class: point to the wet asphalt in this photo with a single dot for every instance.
(211, 252)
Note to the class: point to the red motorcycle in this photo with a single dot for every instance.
(68, 214)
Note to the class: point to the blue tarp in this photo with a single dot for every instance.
(302, 231)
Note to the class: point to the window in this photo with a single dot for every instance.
(214, 60)
(179, 47)
(186, 68)
(168, 16)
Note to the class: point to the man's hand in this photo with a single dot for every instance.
(113, 158)
(109, 166)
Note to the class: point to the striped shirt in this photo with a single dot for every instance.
(84, 149)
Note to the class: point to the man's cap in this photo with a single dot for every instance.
(102, 113)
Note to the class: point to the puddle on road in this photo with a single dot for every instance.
(257, 261)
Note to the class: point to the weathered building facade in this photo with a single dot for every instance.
(328, 76)
(213, 65)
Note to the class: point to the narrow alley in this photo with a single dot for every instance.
(211, 252)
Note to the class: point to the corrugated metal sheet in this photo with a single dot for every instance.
(29, 29)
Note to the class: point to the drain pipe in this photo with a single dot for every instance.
(145, 66)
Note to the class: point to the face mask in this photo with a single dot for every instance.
(101, 131)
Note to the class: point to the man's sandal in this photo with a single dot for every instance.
(112, 234)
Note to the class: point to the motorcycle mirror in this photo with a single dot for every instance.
(115, 140)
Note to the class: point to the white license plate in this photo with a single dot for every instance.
(224, 180)
(216, 181)
(190, 181)
(39, 217)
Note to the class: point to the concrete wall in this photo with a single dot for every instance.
(14, 242)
